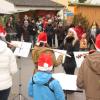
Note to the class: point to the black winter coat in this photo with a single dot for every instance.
(69, 63)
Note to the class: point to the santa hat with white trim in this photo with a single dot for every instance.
(45, 62)
(2, 31)
(97, 42)
(74, 33)
(42, 37)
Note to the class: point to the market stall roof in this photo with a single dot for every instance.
(84, 4)
(7, 7)
(93, 2)
(37, 5)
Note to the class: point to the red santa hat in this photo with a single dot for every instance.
(42, 37)
(74, 33)
(2, 31)
(45, 62)
(97, 43)
(78, 32)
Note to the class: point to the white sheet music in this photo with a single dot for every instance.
(60, 52)
(67, 82)
(78, 59)
(23, 49)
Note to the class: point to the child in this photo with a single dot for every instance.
(42, 86)
(83, 43)
(42, 46)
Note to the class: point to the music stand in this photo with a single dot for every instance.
(67, 82)
(20, 52)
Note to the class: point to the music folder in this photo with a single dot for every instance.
(67, 81)
(60, 52)
(79, 59)
(22, 49)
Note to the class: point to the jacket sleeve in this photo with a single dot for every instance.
(59, 94)
(12, 63)
(30, 88)
(80, 77)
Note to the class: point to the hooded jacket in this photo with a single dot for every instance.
(40, 92)
(89, 76)
(8, 66)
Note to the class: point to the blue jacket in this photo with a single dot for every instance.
(40, 92)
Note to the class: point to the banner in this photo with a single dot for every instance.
(79, 57)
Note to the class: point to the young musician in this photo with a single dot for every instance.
(89, 74)
(42, 86)
(42, 46)
(8, 66)
(70, 44)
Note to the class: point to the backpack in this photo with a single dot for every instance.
(46, 84)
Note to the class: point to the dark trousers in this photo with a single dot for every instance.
(69, 70)
(4, 94)
(49, 40)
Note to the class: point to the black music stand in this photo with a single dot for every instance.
(20, 95)
(20, 52)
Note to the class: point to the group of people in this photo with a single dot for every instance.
(27, 28)
(44, 64)
(42, 86)
(88, 72)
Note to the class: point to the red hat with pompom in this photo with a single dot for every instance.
(42, 37)
(45, 62)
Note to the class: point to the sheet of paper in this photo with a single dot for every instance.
(60, 52)
(23, 49)
(67, 82)
(16, 43)
(79, 59)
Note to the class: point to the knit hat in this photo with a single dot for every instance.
(45, 62)
(2, 31)
(42, 37)
(97, 43)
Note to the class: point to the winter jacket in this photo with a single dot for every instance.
(32, 28)
(69, 63)
(89, 76)
(8, 66)
(40, 92)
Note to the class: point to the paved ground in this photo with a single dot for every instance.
(27, 66)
